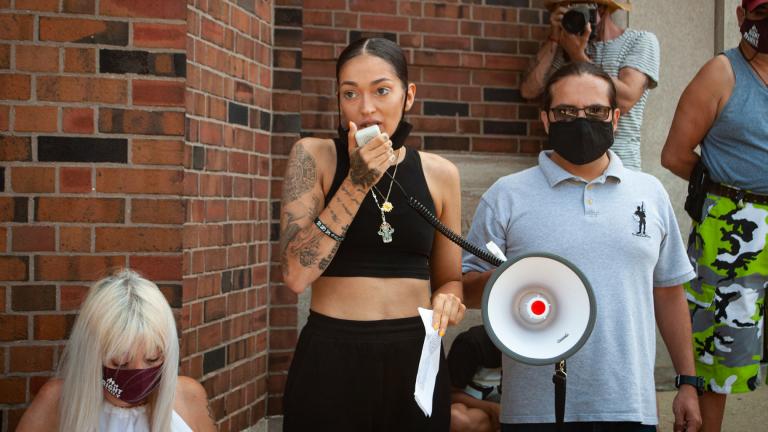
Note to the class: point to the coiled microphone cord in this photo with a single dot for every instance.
(422, 210)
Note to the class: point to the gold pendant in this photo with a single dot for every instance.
(387, 206)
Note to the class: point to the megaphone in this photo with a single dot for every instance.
(538, 309)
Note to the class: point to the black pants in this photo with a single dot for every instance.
(580, 427)
(360, 376)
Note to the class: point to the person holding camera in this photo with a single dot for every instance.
(723, 112)
(579, 203)
(584, 31)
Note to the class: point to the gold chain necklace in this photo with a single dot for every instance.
(385, 229)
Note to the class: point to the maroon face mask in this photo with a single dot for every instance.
(130, 385)
(756, 34)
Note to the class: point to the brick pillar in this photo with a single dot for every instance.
(286, 127)
(227, 189)
(91, 152)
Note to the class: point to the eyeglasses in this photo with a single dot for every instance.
(566, 113)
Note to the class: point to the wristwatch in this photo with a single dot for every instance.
(696, 381)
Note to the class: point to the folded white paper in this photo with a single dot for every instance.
(429, 364)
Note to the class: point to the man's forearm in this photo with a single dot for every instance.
(474, 284)
(535, 79)
(672, 317)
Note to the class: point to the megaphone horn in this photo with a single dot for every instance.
(538, 308)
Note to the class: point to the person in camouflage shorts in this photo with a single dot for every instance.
(727, 298)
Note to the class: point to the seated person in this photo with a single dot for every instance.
(474, 364)
(119, 371)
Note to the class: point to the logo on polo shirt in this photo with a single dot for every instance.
(639, 216)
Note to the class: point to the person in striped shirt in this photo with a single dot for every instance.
(631, 57)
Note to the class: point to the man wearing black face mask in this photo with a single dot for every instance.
(580, 203)
(629, 56)
(724, 111)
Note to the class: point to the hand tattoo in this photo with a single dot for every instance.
(360, 174)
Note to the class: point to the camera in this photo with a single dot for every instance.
(576, 19)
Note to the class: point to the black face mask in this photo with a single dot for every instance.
(580, 141)
(398, 138)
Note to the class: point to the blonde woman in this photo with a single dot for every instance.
(120, 368)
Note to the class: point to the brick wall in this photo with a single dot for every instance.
(136, 133)
(466, 58)
(227, 186)
(91, 147)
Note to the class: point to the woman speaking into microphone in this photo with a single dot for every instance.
(348, 231)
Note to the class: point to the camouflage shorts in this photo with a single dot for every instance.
(727, 298)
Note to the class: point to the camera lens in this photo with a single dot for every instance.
(575, 20)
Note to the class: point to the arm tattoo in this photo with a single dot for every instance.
(359, 172)
(349, 194)
(333, 215)
(325, 262)
(346, 210)
(300, 176)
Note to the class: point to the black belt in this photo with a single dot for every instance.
(736, 194)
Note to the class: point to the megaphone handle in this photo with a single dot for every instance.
(559, 378)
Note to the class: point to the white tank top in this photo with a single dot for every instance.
(116, 419)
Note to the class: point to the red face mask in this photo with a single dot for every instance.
(130, 385)
(756, 34)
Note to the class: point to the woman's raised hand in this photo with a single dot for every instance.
(367, 163)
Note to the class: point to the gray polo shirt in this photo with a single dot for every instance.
(596, 226)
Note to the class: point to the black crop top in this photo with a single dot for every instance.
(363, 253)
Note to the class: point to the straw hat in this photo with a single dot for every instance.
(613, 5)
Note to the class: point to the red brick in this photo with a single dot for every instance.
(428, 25)
(74, 239)
(79, 89)
(168, 9)
(38, 5)
(14, 86)
(157, 211)
(387, 23)
(77, 120)
(5, 115)
(3, 249)
(13, 390)
(442, 10)
(55, 209)
(75, 180)
(325, 4)
(141, 122)
(5, 56)
(33, 238)
(31, 358)
(75, 268)
(35, 58)
(158, 93)
(80, 60)
(36, 119)
(16, 26)
(138, 239)
(80, 30)
(145, 181)
(373, 6)
(72, 296)
(151, 35)
(12, 328)
(157, 152)
(33, 179)
(53, 327)
(14, 268)
(158, 268)
(79, 6)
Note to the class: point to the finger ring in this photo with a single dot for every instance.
(392, 157)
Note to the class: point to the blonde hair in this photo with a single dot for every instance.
(120, 313)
